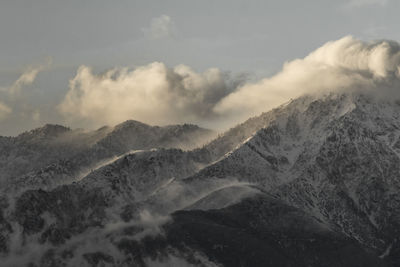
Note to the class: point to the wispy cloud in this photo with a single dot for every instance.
(160, 27)
(361, 3)
(27, 77)
(11, 94)
(4, 111)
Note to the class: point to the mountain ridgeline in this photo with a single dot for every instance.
(55, 154)
(314, 182)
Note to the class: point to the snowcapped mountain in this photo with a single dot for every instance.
(314, 182)
(52, 155)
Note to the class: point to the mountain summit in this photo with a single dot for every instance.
(313, 182)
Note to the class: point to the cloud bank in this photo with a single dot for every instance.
(344, 65)
(153, 93)
(157, 94)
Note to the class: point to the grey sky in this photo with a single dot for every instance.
(238, 36)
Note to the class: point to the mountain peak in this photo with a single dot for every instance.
(130, 124)
(47, 131)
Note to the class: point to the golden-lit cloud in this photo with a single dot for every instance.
(157, 94)
(344, 65)
(153, 93)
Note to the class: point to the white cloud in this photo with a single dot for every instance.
(153, 93)
(360, 3)
(157, 94)
(160, 27)
(342, 65)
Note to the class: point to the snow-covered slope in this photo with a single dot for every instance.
(53, 155)
(314, 182)
(334, 157)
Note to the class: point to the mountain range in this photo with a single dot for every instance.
(314, 182)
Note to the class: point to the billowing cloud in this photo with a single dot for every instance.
(347, 64)
(157, 94)
(153, 93)
(160, 27)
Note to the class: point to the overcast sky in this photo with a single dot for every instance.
(50, 39)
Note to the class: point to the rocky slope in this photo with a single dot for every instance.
(311, 183)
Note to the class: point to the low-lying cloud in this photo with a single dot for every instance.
(157, 94)
(153, 93)
(344, 65)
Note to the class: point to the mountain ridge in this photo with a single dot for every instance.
(333, 159)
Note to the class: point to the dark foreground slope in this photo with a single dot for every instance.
(262, 231)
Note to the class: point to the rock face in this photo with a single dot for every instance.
(314, 182)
